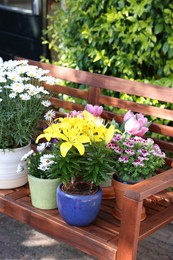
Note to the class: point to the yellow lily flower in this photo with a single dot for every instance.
(74, 137)
(52, 131)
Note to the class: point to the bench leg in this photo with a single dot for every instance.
(129, 230)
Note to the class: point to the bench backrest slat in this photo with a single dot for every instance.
(96, 90)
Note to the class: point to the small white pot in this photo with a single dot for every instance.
(10, 160)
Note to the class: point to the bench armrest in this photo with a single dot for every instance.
(150, 186)
(132, 208)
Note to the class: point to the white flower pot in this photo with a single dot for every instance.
(10, 160)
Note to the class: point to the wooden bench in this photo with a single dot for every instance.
(106, 238)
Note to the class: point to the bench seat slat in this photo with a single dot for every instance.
(106, 238)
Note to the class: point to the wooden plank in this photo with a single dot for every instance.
(69, 91)
(100, 239)
(151, 186)
(136, 107)
(155, 222)
(83, 239)
(66, 105)
(109, 82)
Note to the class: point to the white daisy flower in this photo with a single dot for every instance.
(14, 76)
(17, 87)
(46, 103)
(45, 92)
(26, 155)
(50, 115)
(48, 79)
(46, 162)
(12, 95)
(42, 146)
(2, 79)
(25, 96)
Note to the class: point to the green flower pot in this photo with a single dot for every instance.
(43, 192)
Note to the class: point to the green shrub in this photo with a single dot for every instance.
(123, 38)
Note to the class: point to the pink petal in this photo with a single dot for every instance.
(128, 115)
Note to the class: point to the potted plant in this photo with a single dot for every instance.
(135, 158)
(83, 161)
(22, 102)
(42, 182)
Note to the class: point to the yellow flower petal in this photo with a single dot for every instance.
(109, 134)
(80, 147)
(64, 148)
(83, 139)
(47, 136)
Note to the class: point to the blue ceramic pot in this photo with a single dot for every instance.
(78, 210)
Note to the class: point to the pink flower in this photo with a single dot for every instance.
(128, 115)
(135, 124)
(73, 113)
(95, 110)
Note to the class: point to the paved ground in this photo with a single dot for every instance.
(20, 242)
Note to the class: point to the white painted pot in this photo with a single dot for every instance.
(10, 160)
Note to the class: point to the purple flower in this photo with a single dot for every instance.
(128, 144)
(73, 113)
(141, 158)
(118, 150)
(95, 110)
(123, 159)
(135, 124)
(138, 163)
(144, 152)
(128, 115)
(130, 151)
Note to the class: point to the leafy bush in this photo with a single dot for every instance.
(123, 38)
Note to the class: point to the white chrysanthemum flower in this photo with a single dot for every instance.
(46, 162)
(17, 87)
(35, 72)
(46, 103)
(26, 155)
(42, 146)
(41, 89)
(14, 76)
(25, 96)
(32, 92)
(32, 74)
(0, 99)
(12, 95)
(45, 92)
(48, 79)
(50, 115)
(29, 86)
(2, 79)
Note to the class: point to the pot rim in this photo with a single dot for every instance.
(13, 149)
(78, 195)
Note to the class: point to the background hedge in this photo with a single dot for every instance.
(123, 38)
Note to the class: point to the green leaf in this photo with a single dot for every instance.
(165, 47)
(158, 28)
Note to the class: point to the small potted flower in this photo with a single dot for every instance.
(23, 100)
(42, 181)
(135, 158)
(83, 161)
